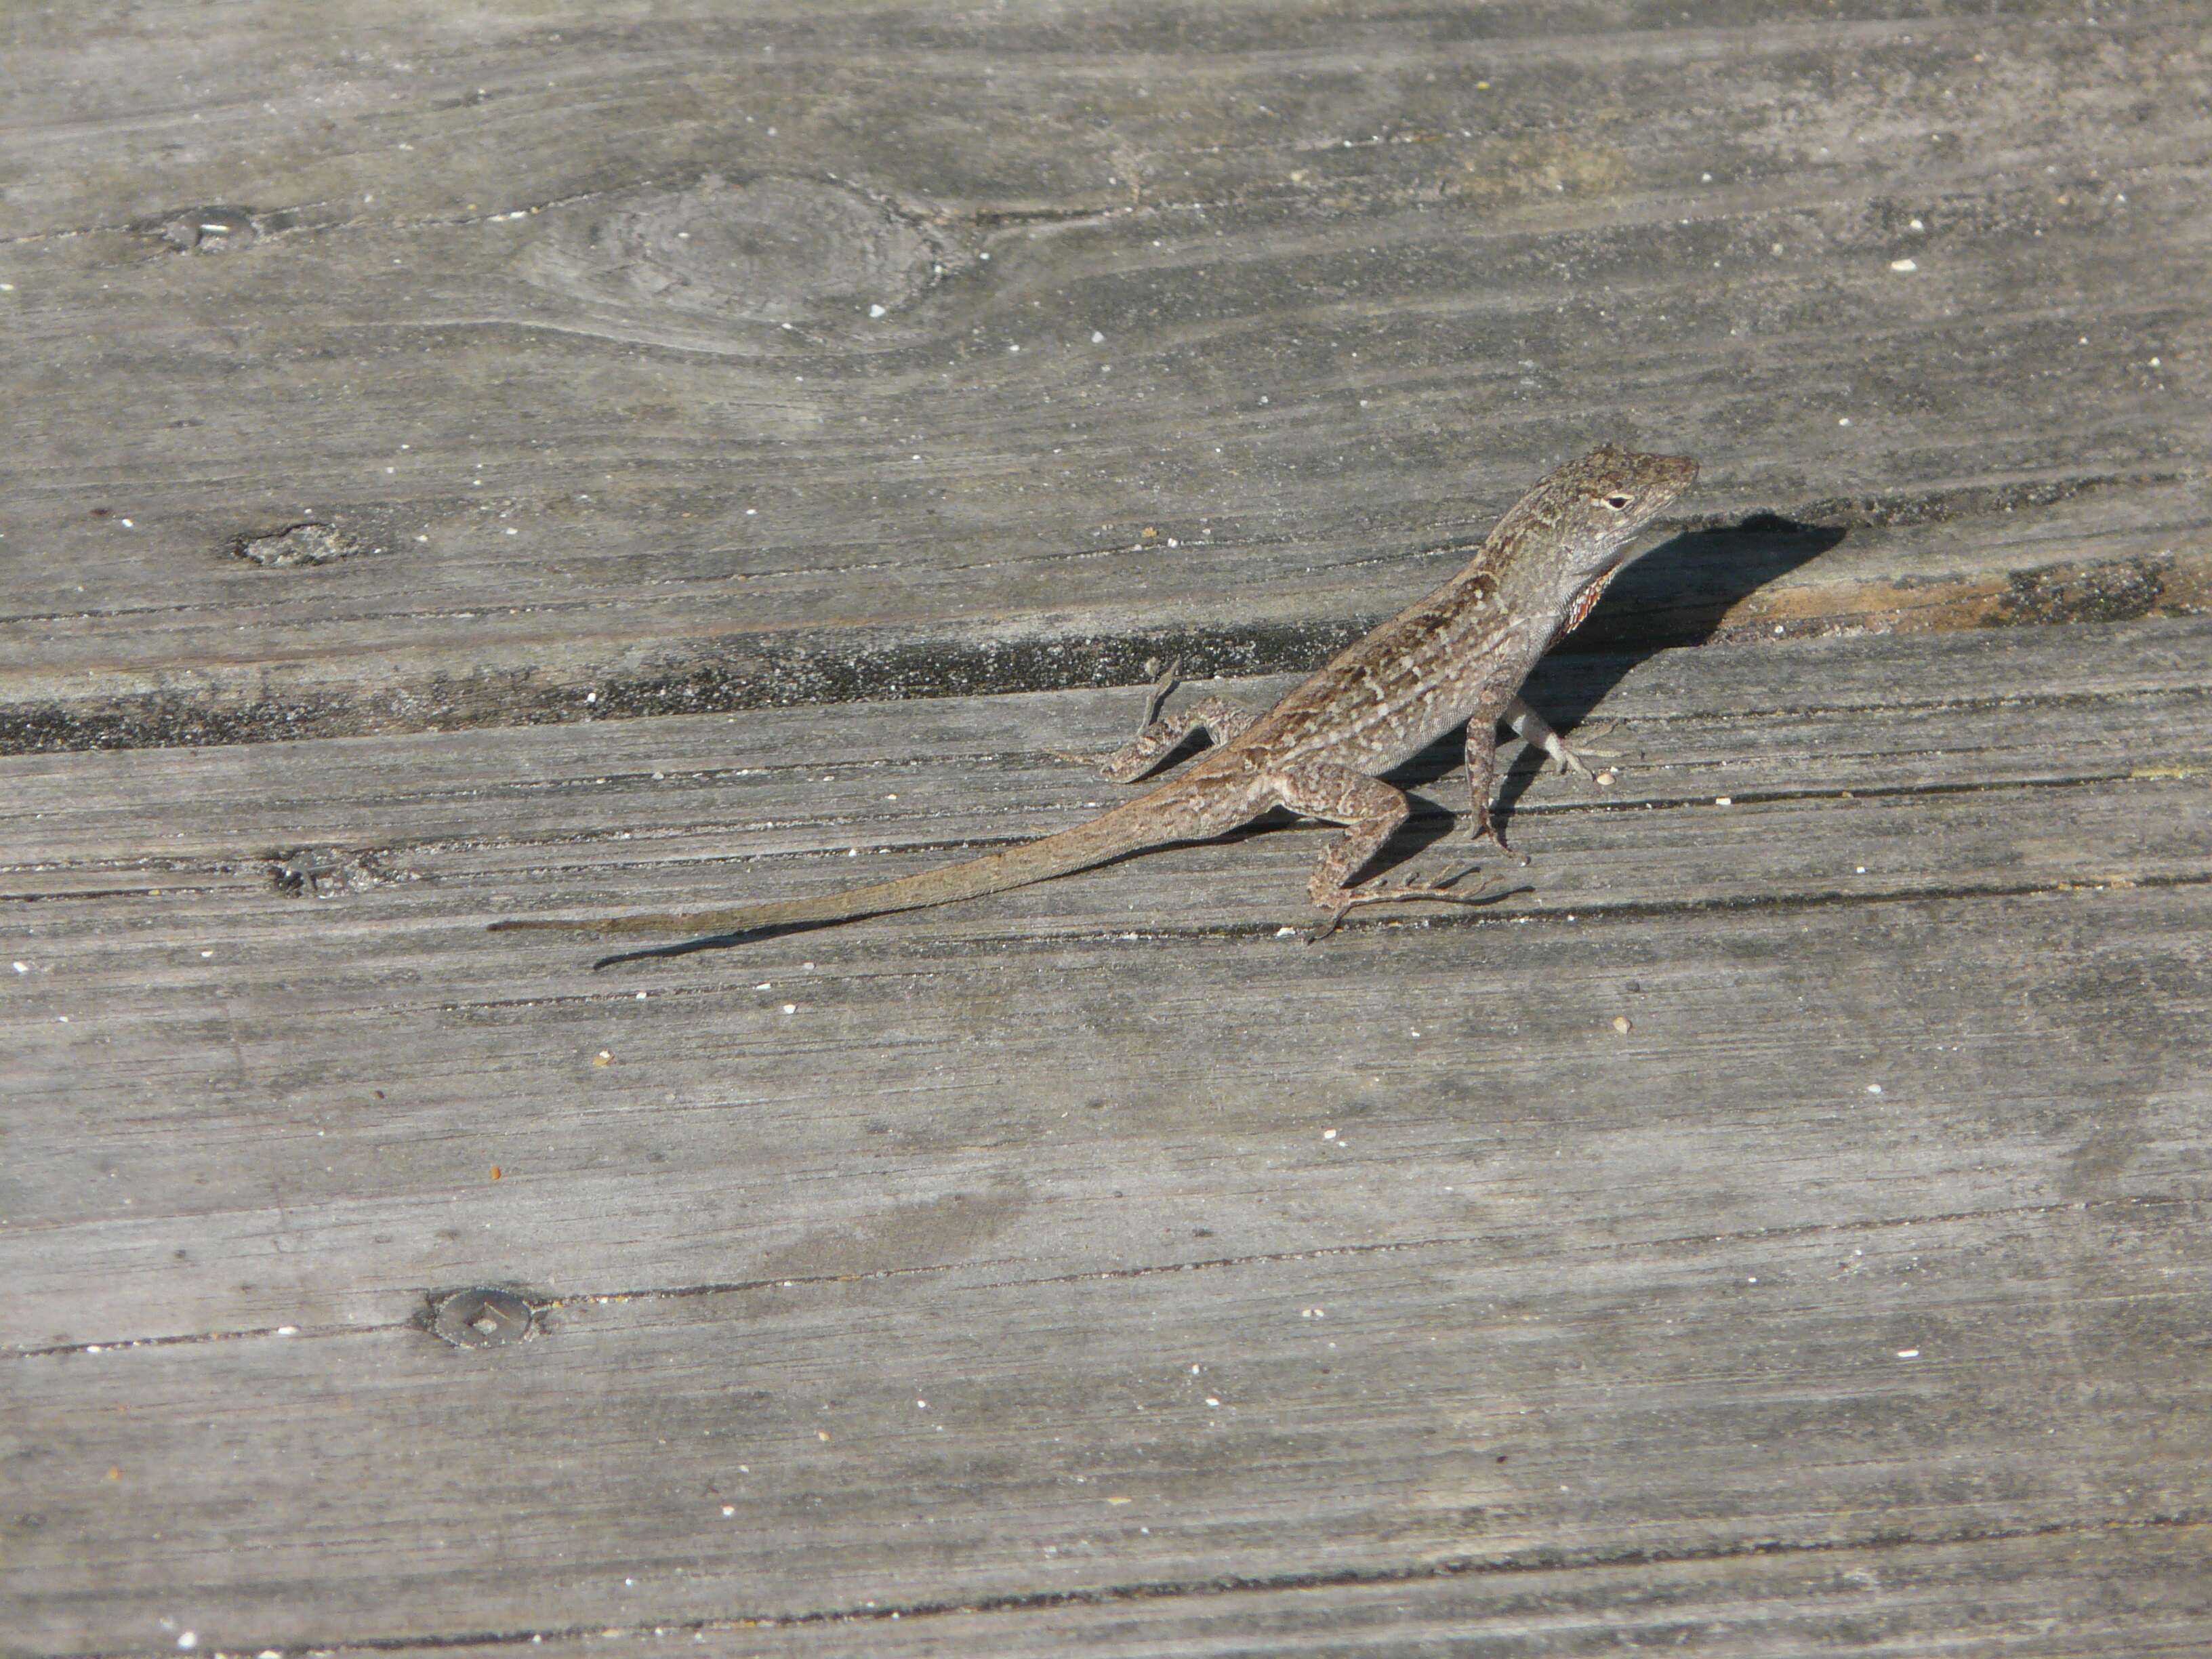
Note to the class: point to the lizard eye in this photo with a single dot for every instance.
(1618, 503)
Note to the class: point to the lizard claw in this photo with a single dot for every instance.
(1570, 760)
(1488, 830)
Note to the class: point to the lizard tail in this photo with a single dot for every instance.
(1126, 829)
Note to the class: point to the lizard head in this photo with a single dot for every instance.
(1609, 495)
(1572, 530)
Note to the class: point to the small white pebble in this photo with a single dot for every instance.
(287, 1330)
(1212, 1401)
(1280, 932)
(1723, 800)
(188, 1641)
(878, 311)
(1873, 1088)
(1904, 265)
(20, 967)
(790, 1007)
(1097, 338)
(1845, 421)
(1908, 1353)
(1329, 1134)
(729, 1509)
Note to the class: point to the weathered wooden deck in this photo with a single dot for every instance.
(541, 459)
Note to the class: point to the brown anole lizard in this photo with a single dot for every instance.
(1455, 658)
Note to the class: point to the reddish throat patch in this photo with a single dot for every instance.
(1587, 602)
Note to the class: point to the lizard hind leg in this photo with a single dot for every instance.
(1370, 812)
(1222, 721)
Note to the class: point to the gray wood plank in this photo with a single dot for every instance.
(1878, 1231)
(2120, 1591)
(1874, 715)
(783, 1451)
(220, 1018)
(1772, 1226)
(564, 324)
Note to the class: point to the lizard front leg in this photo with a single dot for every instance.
(1222, 721)
(1370, 812)
(1526, 722)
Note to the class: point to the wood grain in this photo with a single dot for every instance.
(2124, 1590)
(539, 460)
(769, 1185)
(1195, 349)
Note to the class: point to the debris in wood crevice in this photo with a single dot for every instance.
(310, 542)
(738, 671)
(2119, 591)
(1940, 505)
(328, 871)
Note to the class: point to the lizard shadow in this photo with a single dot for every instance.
(1678, 594)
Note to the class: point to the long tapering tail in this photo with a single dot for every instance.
(1126, 829)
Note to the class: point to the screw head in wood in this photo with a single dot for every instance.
(212, 229)
(481, 1318)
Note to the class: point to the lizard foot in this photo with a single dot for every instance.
(1130, 762)
(1412, 889)
(1570, 760)
(1163, 689)
(1488, 830)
